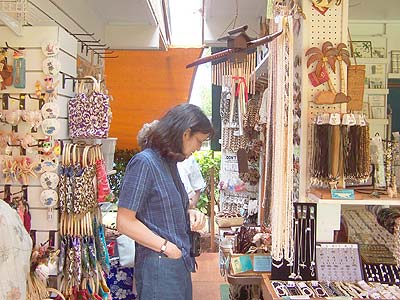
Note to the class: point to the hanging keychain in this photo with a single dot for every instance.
(19, 69)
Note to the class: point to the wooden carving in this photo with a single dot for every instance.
(238, 43)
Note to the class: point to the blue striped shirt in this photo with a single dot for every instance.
(149, 189)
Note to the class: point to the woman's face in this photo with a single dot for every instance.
(192, 142)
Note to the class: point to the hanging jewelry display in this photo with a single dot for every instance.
(237, 190)
(339, 151)
(304, 238)
(356, 153)
(378, 159)
(281, 68)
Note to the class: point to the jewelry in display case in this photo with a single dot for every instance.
(338, 262)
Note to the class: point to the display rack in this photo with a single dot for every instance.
(44, 223)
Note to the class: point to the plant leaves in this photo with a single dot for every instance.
(332, 63)
(326, 46)
(346, 60)
(313, 59)
(341, 46)
(313, 50)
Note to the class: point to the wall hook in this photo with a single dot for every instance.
(12, 48)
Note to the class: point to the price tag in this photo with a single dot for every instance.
(334, 119)
(352, 120)
(345, 119)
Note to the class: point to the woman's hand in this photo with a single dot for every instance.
(197, 220)
(173, 251)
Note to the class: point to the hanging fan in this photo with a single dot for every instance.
(11, 23)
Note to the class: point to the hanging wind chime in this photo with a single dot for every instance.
(239, 60)
(234, 67)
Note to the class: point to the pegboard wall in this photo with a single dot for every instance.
(315, 30)
(323, 28)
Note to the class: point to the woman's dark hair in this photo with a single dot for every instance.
(166, 134)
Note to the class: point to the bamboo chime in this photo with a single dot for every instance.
(237, 69)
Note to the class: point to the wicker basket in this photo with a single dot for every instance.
(229, 221)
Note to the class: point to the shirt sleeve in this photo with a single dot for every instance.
(196, 179)
(136, 184)
(184, 171)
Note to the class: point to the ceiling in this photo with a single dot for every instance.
(124, 12)
(139, 24)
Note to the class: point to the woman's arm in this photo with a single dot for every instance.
(128, 224)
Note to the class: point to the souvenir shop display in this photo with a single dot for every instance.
(363, 228)
(241, 149)
(6, 72)
(89, 113)
(328, 56)
(57, 209)
(322, 289)
(84, 256)
(19, 75)
(338, 262)
(41, 259)
(341, 148)
(247, 251)
(303, 266)
(279, 142)
(373, 228)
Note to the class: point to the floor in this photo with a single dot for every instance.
(207, 279)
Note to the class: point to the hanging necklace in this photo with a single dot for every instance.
(282, 183)
(292, 274)
(299, 239)
(312, 240)
(303, 253)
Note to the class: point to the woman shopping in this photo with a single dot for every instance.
(153, 205)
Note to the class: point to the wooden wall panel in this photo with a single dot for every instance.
(144, 85)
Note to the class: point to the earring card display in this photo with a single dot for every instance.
(304, 238)
(338, 262)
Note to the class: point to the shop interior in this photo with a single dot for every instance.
(302, 174)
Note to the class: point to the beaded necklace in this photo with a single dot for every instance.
(282, 168)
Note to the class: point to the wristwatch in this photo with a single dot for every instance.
(163, 247)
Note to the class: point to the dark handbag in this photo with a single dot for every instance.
(195, 244)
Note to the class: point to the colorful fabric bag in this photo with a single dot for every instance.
(89, 116)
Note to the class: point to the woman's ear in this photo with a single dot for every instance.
(186, 134)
